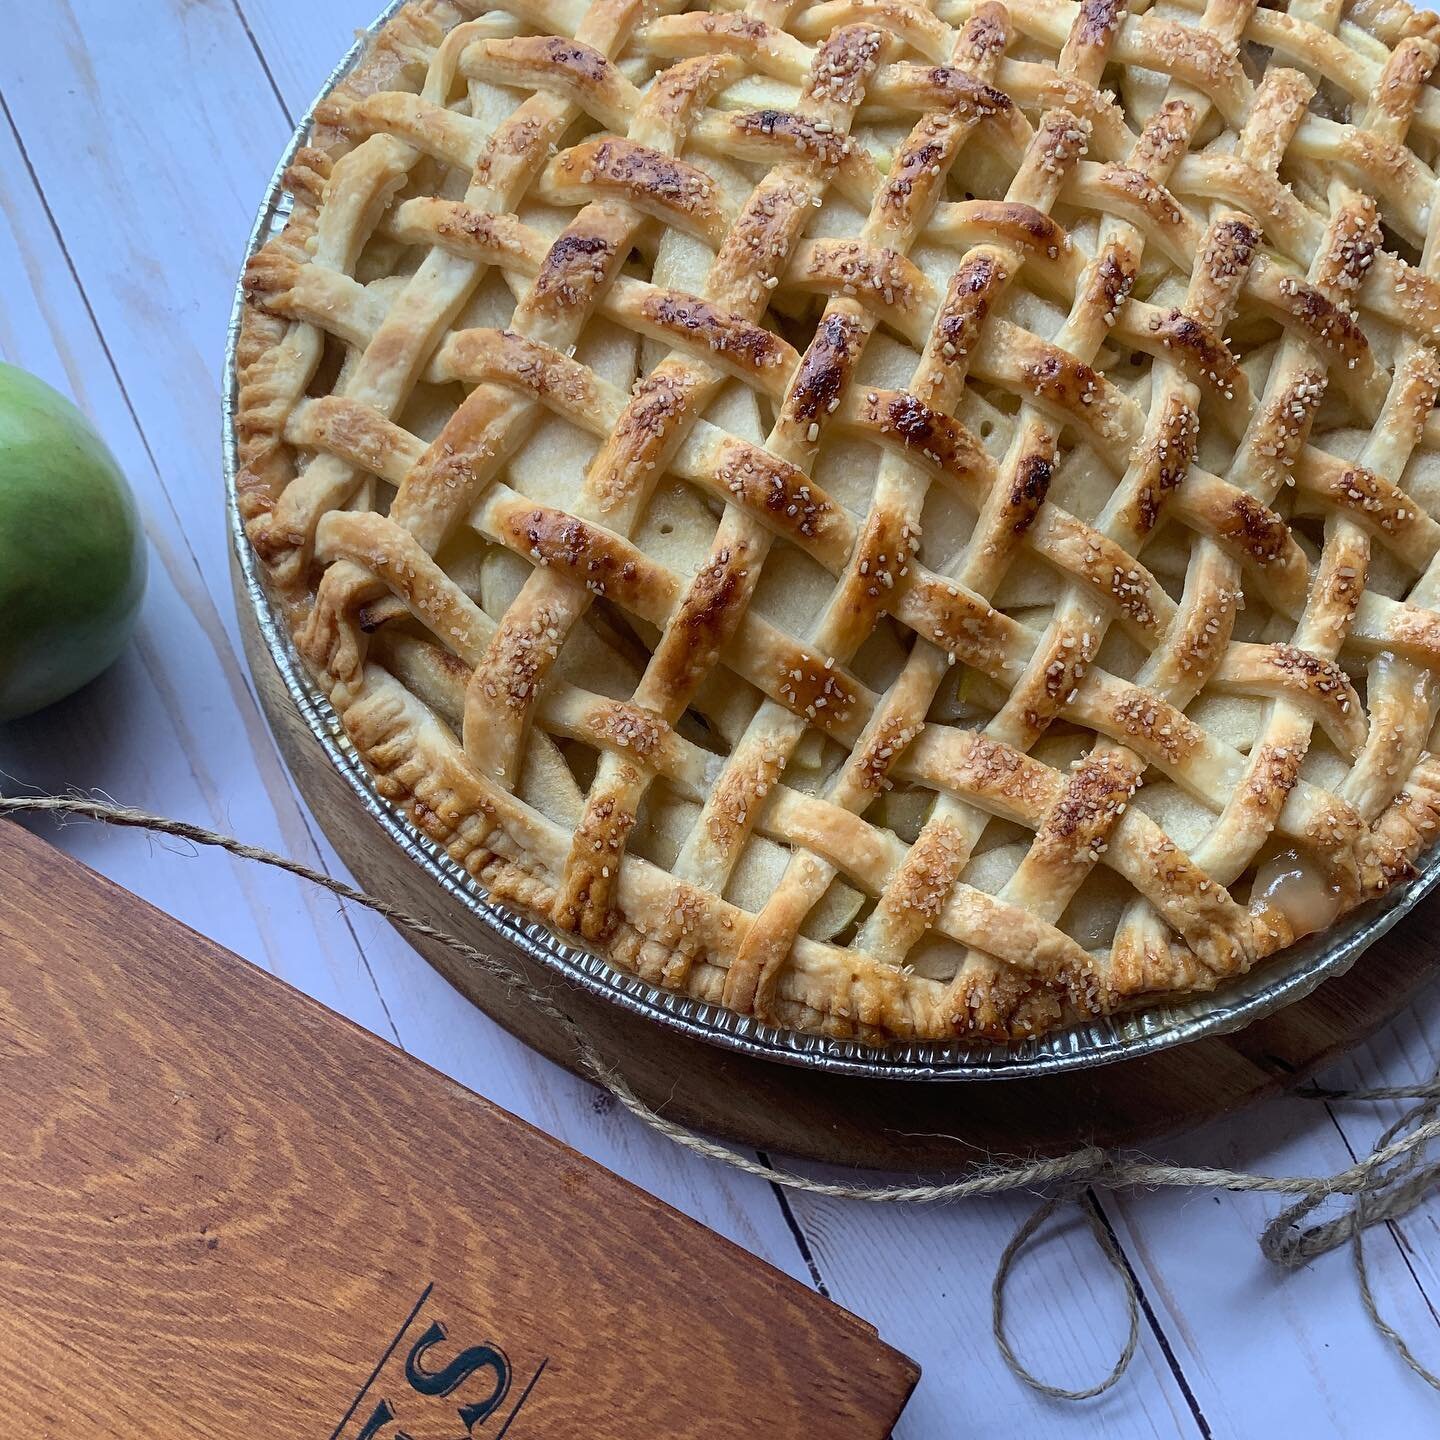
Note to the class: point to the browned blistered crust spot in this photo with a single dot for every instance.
(827, 146)
(1354, 239)
(1409, 67)
(454, 220)
(1165, 461)
(963, 94)
(451, 662)
(1149, 195)
(673, 93)
(1386, 506)
(1229, 248)
(339, 112)
(1274, 769)
(454, 464)
(886, 743)
(985, 37)
(944, 442)
(816, 688)
(1165, 137)
(658, 401)
(596, 854)
(1312, 673)
(712, 607)
(1130, 590)
(920, 164)
(1377, 154)
(1324, 320)
(573, 269)
(1097, 21)
(521, 138)
(1254, 527)
(1202, 53)
(1069, 659)
(683, 927)
(1337, 834)
(604, 563)
(1283, 426)
(959, 622)
(988, 767)
(571, 55)
(603, 822)
(1412, 627)
(1095, 797)
(269, 283)
(1112, 281)
(1061, 140)
(883, 552)
(1067, 383)
(825, 368)
(999, 1002)
(629, 727)
(735, 27)
(769, 484)
(973, 287)
(1022, 226)
(1341, 586)
(1201, 352)
(504, 355)
(641, 171)
(924, 881)
(356, 431)
(872, 271)
(843, 64)
(1029, 488)
(1145, 716)
(756, 249)
(308, 175)
(724, 332)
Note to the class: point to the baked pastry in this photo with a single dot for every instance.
(904, 523)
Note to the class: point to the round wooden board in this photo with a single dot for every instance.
(873, 1124)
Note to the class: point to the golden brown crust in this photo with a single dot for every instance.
(1145, 379)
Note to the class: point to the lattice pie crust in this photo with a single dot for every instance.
(903, 522)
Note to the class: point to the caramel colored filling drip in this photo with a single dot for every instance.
(1294, 886)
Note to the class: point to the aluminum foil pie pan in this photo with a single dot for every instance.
(1273, 984)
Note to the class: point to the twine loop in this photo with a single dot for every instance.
(1384, 1186)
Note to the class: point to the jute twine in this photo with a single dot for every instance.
(1386, 1185)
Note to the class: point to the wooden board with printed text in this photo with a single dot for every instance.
(897, 1125)
(233, 1215)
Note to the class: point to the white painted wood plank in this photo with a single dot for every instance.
(175, 727)
(923, 1276)
(1268, 1353)
(301, 44)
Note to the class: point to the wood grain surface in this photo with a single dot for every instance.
(874, 1124)
(233, 1215)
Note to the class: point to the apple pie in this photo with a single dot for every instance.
(906, 522)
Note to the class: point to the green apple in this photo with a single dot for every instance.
(72, 550)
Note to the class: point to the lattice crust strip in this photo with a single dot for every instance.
(907, 522)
